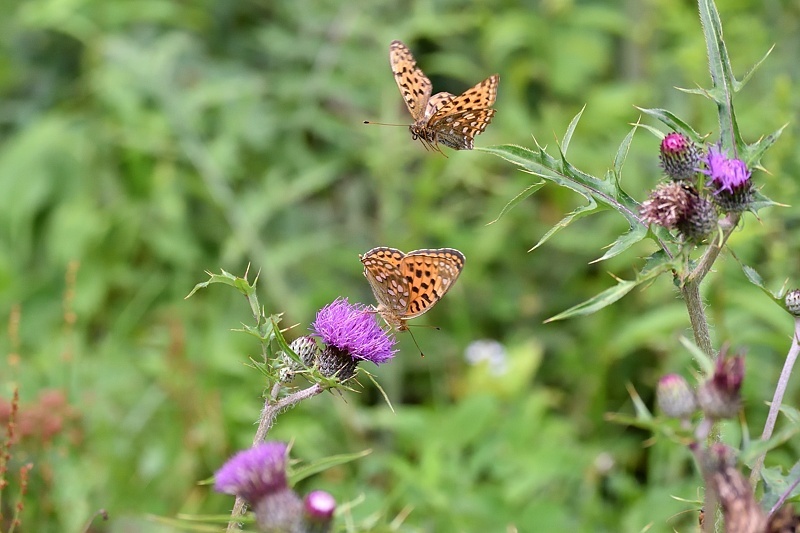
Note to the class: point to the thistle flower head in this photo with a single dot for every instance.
(353, 330)
(254, 473)
(730, 179)
(667, 205)
(679, 156)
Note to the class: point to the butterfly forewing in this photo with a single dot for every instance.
(407, 285)
(413, 83)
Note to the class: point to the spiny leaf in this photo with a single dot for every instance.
(527, 191)
(776, 484)
(655, 266)
(600, 194)
(755, 67)
(673, 122)
(722, 80)
(571, 130)
(755, 151)
(755, 278)
(299, 474)
(597, 302)
(622, 154)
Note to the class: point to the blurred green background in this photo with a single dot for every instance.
(143, 142)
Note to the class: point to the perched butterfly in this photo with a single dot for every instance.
(407, 285)
(443, 118)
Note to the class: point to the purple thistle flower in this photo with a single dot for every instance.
(254, 473)
(354, 330)
(726, 174)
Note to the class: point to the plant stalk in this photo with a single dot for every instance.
(777, 400)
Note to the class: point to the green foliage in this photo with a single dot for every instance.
(143, 143)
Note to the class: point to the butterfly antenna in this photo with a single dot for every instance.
(416, 343)
(383, 124)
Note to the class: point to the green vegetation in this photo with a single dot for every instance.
(143, 143)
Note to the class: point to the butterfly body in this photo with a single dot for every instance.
(408, 285)
(442, 118)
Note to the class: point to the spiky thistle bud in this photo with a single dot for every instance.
(700, 219)
(306, 347)
(792, 302)
(679, 156)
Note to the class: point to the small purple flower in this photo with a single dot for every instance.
(254, 473)
(353, 329)
(726, 174)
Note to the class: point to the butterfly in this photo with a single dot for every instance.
(407, 285)
(443, 118)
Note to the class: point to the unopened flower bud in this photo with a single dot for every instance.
(675, 397)
(679, 156)
(306, 348)
(319, 507)
(792, 302)
(720, 396)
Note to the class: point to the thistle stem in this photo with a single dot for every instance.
(777, 399)
(268, 415)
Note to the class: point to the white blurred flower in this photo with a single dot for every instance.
(488, 350)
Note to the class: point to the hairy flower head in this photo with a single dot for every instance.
(354, 330)
(254, 473)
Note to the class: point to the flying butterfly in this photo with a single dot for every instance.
(408, 285)
(443, 118)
